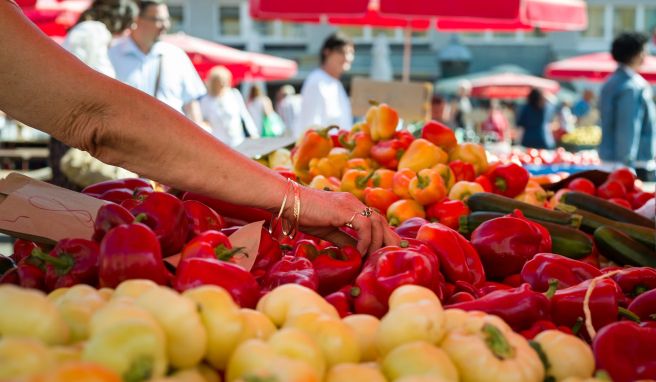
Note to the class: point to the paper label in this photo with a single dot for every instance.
(247, 237)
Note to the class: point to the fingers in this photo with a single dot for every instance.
(363, 226)
(390, 237)
(377, 232)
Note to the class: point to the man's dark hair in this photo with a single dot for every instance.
(535, 98)
(627, 46)
(333, 42)
(117, 15)
(144, 4)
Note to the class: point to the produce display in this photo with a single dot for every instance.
(495, 278)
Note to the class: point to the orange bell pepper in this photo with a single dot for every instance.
(404, 209)
(320, 182)
(331, 165)
(382, 178)
(427, 187)
(382, 121)
(355, 181)
(447, 175)
(358, 143)
(379, 198)
(357, 164)
(470, 153)
(78, 371)
(422, 154)
(401, 182)
(314, 144)
(463, 190)
(361, 126)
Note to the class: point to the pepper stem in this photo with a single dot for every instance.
(500, 184)
(324, 132)
(404, 244)
(140, 217)
(394, 221)
(361, 182)
(543, 356)
(553, 287)
(141, 369)
(225, 254)
(463, 225)
(497, 342)
(63, 264)
(355, 291)
(623, 312)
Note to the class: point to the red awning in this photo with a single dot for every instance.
(594, 67)
(510, 85)
(54, 17)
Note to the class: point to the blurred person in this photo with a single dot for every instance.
(585, 109)
(156, 67)
(461, 106)
(324, 100)
(566, 119)
(440, 109)
(123, 126)
(496, 125)
(224, 109)
(259, 106)
(534, 119)
(288, 106)
(628, 114)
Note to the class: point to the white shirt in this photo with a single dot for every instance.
(89, 41)
(225, 114)
(179, 82)
(324, 102)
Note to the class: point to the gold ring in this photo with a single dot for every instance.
(350, 222)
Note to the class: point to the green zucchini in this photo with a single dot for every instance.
(605, 208)
(485, 201)
(622, 249)
(565, 241)
(591, 222)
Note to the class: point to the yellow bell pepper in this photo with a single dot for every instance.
(23, 357)
(419, 358)
(382, 121)
(355, 181)
(258, 360)
(420, 321)
(567, 356)
(76, 306)
(500, 353)
(365, 327)
(332, 165)
(57, 293)
(29, 313)
(289, 300)
(280, 158)
(78, 372)
(412, 294)
(427, 187)
(295, 344)
(470, 153)
(106, 293)
(222, 320)
(313, 144)
(70, 353)
(320, 182)
(358, 164)
(533, 194)
(404, 209)
(256, 325)
(347, 372)
(422, 154)
(447, 175)
(186, 337)
(463, 190)
(133, 288)
(336, 340)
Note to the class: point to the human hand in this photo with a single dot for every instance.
(324, 212)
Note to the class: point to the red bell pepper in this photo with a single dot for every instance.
(165, 215)
(625, 176)
(336, 267)
(520, 307)
(439, 134)
(634, 280)
(506, 243)
(130, 251)
(71, 262)
(458, 258)
(459, 297)
(22, 249)
(509, 179)
(484, 181)
(582, 185)
(513, 280)
(392, 267)
(388, 153)
(201, 218)
(305, 248)
(540, 326)
(109, 216)
(626, 351)
(268, 252)
(611, 189)
(447, 212)
(291, 270)
(208, 245)
(229, 210)
(405, 137)
(463, 170)
(410, 227)
(234, 279)
(117, 191)
(30, 273)
(639, 198)
(567, 304)
(342, 300)
(644, 306)
(545, 267)
(10, 277)
(491, 286)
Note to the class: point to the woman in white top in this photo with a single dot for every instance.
(324, 99)
(259, 106)
(223, 107)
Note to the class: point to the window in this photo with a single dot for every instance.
(229, 24)
(650, 20)
(389, 32)
(265, 28)
(623, 19)
(177, 18)
(353, 32)
(504, 35)
(595, 22)
(420, 34)
(292, 30)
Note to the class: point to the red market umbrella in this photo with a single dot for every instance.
(595, 67)
(243, 65)
(510, 85)
(54, 17)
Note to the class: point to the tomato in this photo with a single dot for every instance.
(582, 185)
